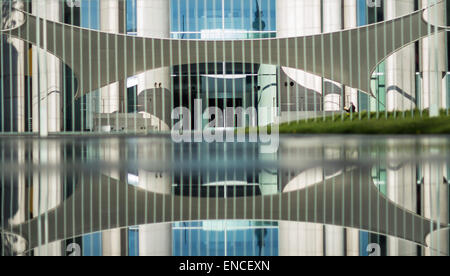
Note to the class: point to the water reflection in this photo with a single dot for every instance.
(225, 238)
(241, 238)
(148, 196)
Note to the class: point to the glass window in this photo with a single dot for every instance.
(250, 15)
(71, 13)
(190, 17)
(132, 99)
(369, 15)
(133, 242)
(131, 17)
(225, 238)
(90, 14)
(92, 244)
(194, 15)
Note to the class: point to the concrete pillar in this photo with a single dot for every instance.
(434, 191)
(300, 17)
(13, 70)
(296, 238)
(46, 96)
(352, 237)
(158, 181)
(267, 95)
(20, 120)
(153, 20)
(18, 189)
(47, 187)
(332, 21)
(445, 92)
(435, 201)
(109, 22)
(333, 237)
(297, 18)
(433, 60)
(111, 243)
(350, 21)
(334, 240)
(400, 67)
(300, 239)
(155, 239)
(402, 190)
(110, 154)
(20, 215)
(268, 178)
(351, 96)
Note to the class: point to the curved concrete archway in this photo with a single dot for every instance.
(346, 69)
(358, 206)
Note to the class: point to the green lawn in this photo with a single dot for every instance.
(399, 123)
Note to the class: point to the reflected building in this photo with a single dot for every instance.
(413, 185)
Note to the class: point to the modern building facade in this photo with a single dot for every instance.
(38, 96)
(405, 81)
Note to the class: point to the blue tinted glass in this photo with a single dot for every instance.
(194, 240)
(254, 15)
(92, 244)
(237, 15)
(252, 242)
(90, 14)
(131, 16)
(362, 12)
(198, 15)
(194, 15)
(363, 243)
(133, 242)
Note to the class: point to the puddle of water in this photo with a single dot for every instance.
(317, 195)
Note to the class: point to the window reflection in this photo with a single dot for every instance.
(191, 18)
(225, 238)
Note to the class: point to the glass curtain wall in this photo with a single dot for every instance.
(220, 84)
(240, 238)
(222, 19)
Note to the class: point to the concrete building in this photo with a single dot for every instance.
(405, 80)
(111, 20)
(300, 18)
(47, 84)
(41, 95)
(350, 21)
(14, 72)
(433, 61)
(401, 67)
(153, 20)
